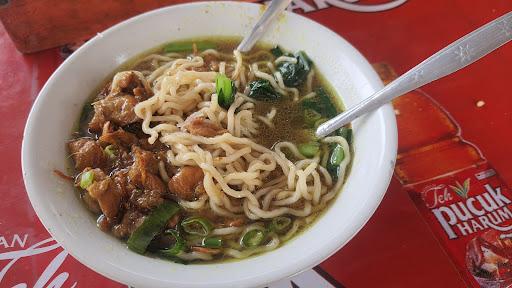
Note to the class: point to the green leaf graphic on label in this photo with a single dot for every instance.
(461, 189)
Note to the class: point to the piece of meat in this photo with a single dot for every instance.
(203, 127)
(91, 203)
(237, 222)
(130, 221)
(146, 200)
(144, 170)
(87, 153)
(116, 109)
(145, 160)
(184, 185)
(107, 196)
(117, 137)
(153, 182)
(129, 83)
(103, 223)
(122, 182)
(106, 192)
(104, 91)
(156, 146)
(211, 62)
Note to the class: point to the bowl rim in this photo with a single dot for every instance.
(387, 118)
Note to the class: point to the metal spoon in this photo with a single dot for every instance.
(273, 10)
(455, 56)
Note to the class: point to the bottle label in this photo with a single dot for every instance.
(471, 213)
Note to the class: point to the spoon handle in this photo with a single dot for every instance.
(455, 56)
(273, 10)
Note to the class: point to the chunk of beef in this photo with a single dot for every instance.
(203, 127)
(105, 91)
(130, 221)
(146, 199)
(103, 223)
(153, 182)
(122, 183)
(91, 203)
(117, 137)
(144, 161)
(211, 62)
(129, 83)
(187, 183)
(144, 169)
(86, 153)
(156, 146)
(234, 222)
(116, 109)
(106, 192)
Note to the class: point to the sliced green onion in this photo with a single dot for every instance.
(179, 243)
(111, 151)
(252, 238)
(280, 224)
(86, 179)
(152, 225)
(337, 155)
(346, 133)
(197, 226)
(187, 46)
(311, 117)
(226, 90)
(212, 242)
(309, 149)
(335, 159)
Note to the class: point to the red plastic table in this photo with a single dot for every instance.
(395, 248)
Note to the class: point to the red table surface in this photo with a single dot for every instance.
(395, 248)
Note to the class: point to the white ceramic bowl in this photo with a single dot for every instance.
(59, 104)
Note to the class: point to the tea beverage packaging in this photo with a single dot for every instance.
(462, 198)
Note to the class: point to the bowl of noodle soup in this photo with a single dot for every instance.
(182, 150)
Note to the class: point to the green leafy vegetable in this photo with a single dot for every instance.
(111, 151)
(177, 247)
(262, 90)
(212, 242)
(294, 74)
(321, 103)
(280, 224)
(276, 51)
(309, 149)
(86, 179)
(152, 225)
(187, 46)
(252, 238)
(226, 90)
(196, 225)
